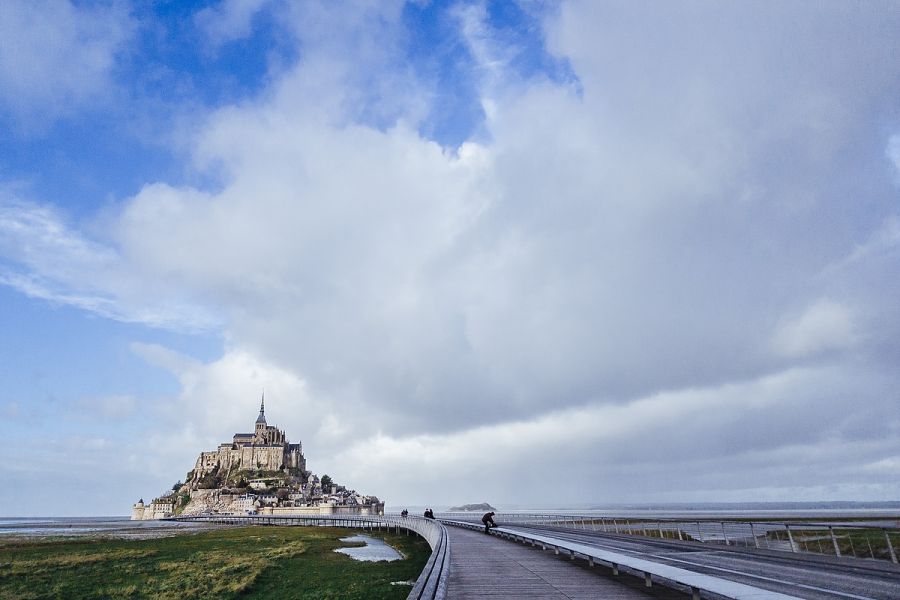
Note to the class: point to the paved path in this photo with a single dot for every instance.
(803, 575)
(483, 566)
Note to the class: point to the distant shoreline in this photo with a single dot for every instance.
(675, 509)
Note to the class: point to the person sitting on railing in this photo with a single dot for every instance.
(488, 520)
(404, 513)
(429, 514)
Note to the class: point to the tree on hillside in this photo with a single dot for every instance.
(326, 483)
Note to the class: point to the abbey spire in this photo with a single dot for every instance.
(262, 410)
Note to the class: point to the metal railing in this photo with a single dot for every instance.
(839, 538)
(432, 582)
(650, 571)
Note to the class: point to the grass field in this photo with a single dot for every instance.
(247, 562)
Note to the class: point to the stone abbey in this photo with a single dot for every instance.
(256, 473)
(266, 449)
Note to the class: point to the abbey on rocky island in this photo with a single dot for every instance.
(259, 472)
(266, 448)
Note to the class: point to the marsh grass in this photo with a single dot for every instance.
(859, 542)
(247, 562)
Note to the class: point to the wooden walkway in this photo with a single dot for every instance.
(483, 566)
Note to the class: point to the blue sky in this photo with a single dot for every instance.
(452, 238)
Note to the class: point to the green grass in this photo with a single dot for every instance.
(859, 542)
(246, 562)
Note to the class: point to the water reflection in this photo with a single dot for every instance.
(373, 550)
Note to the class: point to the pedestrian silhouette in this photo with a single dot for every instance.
(488, 520)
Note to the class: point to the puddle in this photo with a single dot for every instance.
(374, 549)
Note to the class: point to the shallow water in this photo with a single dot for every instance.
(101, 527)
(374, 550)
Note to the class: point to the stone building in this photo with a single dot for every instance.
(160, 508)
(260, 471)
(267, 448)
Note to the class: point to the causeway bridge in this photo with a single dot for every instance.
(581, 557)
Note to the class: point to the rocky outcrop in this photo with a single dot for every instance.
(483, 506)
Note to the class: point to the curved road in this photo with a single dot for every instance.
(802, 575)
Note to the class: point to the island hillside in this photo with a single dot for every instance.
(256, 473)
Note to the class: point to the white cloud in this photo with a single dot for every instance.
(822, 327)
(879, 246)
(221, 398)
(229, 20)
(45, 257)
(609, 268)
(893, 151)
(58, 57)
(492, 57)
(715, 439)
(889, 466)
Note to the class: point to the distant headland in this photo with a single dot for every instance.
(472, 507)
(256, 473)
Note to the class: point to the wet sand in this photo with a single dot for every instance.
(122, 528)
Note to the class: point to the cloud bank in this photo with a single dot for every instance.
(679, 267)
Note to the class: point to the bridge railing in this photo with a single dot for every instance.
(650, 571)
(839, 538)
(432, 582)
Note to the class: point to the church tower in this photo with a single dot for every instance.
(261, 419)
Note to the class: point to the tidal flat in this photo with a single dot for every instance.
(245, 562)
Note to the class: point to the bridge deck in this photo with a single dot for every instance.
(483, 566)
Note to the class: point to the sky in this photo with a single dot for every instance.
(534, 253)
